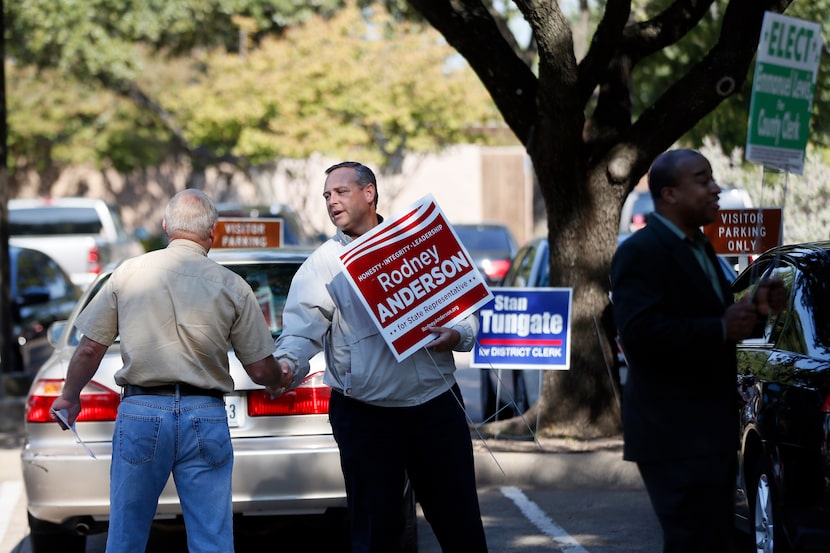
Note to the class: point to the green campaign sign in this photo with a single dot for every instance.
(786, 70)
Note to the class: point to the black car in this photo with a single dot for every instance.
(491, 246)
(783, 486)
(41, 293)
(507, 393)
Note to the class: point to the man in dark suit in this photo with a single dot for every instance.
(678, 325)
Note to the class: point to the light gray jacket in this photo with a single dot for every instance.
(323, 312)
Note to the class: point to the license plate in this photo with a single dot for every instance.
(233, 408)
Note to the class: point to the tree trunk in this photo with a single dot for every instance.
(589, 150)
(584, 400)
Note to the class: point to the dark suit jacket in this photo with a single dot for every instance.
(679, 398)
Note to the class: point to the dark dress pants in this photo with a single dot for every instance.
(380, 446)
(694, 500)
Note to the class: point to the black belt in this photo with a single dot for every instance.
(170, 390)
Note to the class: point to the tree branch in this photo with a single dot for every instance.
(528, 55)
(133, 92)
(669, 26)
(719, 75)
(611, 60)
(603, 46)
(470, 29)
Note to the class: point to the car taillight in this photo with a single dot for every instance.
(309, 398)
(93, 260)
(825, 407)
(495, 269)
(98, 403)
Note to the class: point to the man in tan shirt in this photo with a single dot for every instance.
(177, 312)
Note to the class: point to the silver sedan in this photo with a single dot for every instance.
(286, 459)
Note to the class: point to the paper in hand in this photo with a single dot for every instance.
(63, 416)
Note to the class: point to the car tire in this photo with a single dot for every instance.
(521, 401)
(488, 396)
(491, 409)
(45, 537)
(765, 513)
(337, 536)
(15, 364)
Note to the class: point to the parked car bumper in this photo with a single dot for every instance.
(280, 469)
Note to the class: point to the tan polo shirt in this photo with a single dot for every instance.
(177, 312)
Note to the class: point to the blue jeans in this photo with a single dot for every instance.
(187, 436)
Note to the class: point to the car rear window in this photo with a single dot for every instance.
(40, 221)
(269, 281)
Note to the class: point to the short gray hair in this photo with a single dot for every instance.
(190, 211)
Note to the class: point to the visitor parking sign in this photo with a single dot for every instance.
(786, 69)
(525, 328)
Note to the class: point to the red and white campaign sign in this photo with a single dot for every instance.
(412, 272)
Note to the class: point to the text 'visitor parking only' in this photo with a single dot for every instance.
(745, 231)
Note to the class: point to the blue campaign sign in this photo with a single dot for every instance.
(525, 328)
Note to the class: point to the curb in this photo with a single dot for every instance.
(555, 463)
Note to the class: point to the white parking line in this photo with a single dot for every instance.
(543, 522)
(9, 495)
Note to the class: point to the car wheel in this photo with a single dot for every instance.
(409, 541)
(522, 403)
(45, 537)
(15, 364)
(337, 536)
(501, 408)
(765, 514)
(488, 396)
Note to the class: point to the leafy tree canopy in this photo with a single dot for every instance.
(240, 81)
(381, 89)
(655, 74)
(95, 38)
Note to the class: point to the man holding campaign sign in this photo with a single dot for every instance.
(388, 302)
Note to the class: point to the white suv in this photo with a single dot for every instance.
(639, 205)
(82, 234)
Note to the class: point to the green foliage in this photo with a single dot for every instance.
(57, 121)
(356, 83)
(806, 216)
(88, 38)
(729, 121)
(378, 92)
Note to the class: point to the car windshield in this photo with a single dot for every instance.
(39, 221)
(270, 283)
(483, 238)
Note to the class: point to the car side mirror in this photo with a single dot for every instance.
(54, 332)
